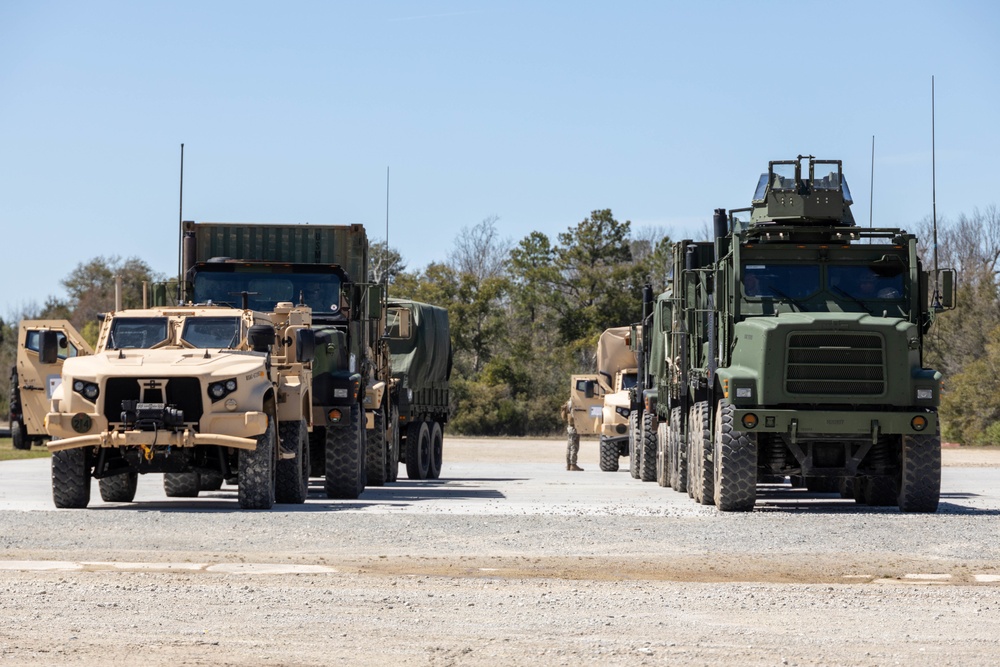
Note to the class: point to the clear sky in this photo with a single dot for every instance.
(535, 112)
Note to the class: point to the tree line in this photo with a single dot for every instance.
(527, 314)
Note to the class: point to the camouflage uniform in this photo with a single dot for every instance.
(572, 437)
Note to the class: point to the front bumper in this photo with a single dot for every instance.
(239, 430)
(826, 423)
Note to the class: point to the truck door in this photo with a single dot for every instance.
(36, 381)
(587, 398)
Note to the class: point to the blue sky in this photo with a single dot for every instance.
(536, 112)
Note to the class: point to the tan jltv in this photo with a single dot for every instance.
(200, 393)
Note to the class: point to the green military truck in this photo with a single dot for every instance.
(420, 347)
(794, 348)
(355, 440)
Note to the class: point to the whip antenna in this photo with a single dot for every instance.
(871, 190)
(937, 293)
(180, 228)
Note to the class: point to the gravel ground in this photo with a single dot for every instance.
(508, 559)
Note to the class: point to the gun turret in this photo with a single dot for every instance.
(794, 194)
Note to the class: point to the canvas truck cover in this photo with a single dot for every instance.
(613, 353)
(345, 245)
(424, 359)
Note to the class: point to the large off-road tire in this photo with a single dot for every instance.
(678, 456)
(70, 478)
(292, 479)
(392, 465)
(377, 455)
(437, 451)
(920, 473)
(879, 491)
(18, 437)
(609, 455)
(210, 480)
(181, 484)
(418, 450)
(257, 471)
(634, 449)
(735, 464)
(662, 474)
(317, 450)
(345, 457)
(120, 488)
(701, 474)
(647, 442)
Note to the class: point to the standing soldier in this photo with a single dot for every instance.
(572, 437)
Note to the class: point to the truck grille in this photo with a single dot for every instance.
(184, 393)
(835, 363)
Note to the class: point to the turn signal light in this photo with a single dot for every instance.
(334, 416)
(749, 420)
(918, 423)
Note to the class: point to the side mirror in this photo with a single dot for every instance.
(48, 347)
(949, 285)
(261, 337)
(376, 301)
(305, 345)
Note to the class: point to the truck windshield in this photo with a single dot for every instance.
(319, 291)
(137, 332)
(861, 281)
(629, 380)
(212, 332)
(788, 281)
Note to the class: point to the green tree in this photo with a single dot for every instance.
(91, 286)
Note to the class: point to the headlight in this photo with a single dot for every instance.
(744, 392)
(339, 392)
(925, 394)
(624, 412)
(219, 390)
(88, 390)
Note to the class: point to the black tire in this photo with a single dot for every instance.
(345, 457)
(634, 450)
(377, 455)
(609, 455)
(210, 481)
(437, 450)
(71, 478)
(647, 442)
(735, 464)
(291, 486)
(701, 472)
(257, 471)
(678, 456)
(880, 491)
(662, 474)
(181, 484)
(392, 465)
(120, 488)
(920, 473)
(418, 450)
(18, 437)
(317, 450)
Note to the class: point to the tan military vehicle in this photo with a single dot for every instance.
(200, 393)
(32, 382)
(602, 403)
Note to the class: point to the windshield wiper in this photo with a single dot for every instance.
(853, 298)
(785, 296)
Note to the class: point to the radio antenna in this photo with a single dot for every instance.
(386, 258)
(871, 191)
(937, 294)
(180, 228)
